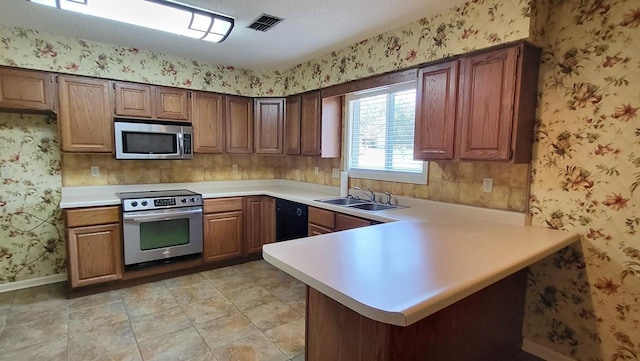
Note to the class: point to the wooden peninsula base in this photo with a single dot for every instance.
(486, 325)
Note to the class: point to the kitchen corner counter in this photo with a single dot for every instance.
(399, 273)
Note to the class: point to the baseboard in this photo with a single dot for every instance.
(543, 352)
(40, 281)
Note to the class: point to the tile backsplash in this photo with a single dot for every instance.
(448, 182)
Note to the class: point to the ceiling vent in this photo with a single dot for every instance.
(265, 22)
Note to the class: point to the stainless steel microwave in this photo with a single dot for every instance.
(152, 140)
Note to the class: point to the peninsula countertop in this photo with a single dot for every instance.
(424, 258)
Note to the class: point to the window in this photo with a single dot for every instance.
(380, 135)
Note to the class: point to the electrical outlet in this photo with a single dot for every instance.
(487, 185)
(95, 171)
(234, 168)
(336, 173)
(316, 171)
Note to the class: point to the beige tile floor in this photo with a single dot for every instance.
(245, 312)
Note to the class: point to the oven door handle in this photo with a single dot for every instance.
(159, 217)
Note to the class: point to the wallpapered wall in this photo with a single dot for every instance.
(585, 301)
(31, 241)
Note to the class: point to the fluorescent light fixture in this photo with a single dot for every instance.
(160, 15)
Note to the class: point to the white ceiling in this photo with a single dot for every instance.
(310, 28)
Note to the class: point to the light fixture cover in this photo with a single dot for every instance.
(160, 15)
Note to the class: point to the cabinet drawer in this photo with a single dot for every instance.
(315, 230)
(322, 217)
(81, 217)
(344, 222)
(223, 205)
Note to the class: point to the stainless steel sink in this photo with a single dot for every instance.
(341, 201)
(373, 207)
(358, 204)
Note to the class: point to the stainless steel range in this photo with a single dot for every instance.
(161, 225)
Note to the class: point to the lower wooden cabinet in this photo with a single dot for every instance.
(94, 250)
(222, 236)
(322, 221)
(223, 229)
(260, 223)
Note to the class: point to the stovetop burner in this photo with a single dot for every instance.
(152, 200)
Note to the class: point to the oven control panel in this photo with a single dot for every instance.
(143, 204)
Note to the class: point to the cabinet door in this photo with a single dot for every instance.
(85, 116)
(436, 104)
(268, 220)
(315, 230)
(133, 100)
(344, 222)
(238, 125)
(207, 116)
(95, 254)
(254, 225)
(26, 90)
(488, 86)
(310, 124)
(222, 236)
(292, 126)
(269, 126)
(331, 128)
(171, 104)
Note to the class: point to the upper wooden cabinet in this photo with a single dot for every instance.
(207, 117)
(480, 107)
(85, 115)
(292, 126)
(437, 95)
(498, 104)
(238, 125)
(311, 124)
(26, 91)
(269, 126)
(149, 101)
(320, 125)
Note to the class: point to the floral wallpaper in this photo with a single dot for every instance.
(26, 48)
(31, 230)
(474, 25)
(584, 302)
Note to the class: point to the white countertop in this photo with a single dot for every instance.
(427, 257)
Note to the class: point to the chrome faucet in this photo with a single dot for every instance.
(388, 202)
(371, 195)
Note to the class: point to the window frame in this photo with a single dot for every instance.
(377, 174)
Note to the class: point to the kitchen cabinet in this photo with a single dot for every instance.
(207, 117)
(495, 103)
(223, 229)
(310, 123)
(85, 116)
(149, 101)
(292, 126)
(26, 91)
(260, 223)
(269, 126)
(238, 125)
(322, 221)
(437, 94)
(94, 246)
(320, 125)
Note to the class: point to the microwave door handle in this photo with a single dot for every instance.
(158, 217)
(180, 145)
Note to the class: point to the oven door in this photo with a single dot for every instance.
(161, 234)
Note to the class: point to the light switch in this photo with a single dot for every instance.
(95, 171)
(336, 173)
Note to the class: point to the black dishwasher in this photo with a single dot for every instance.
(291, 220)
